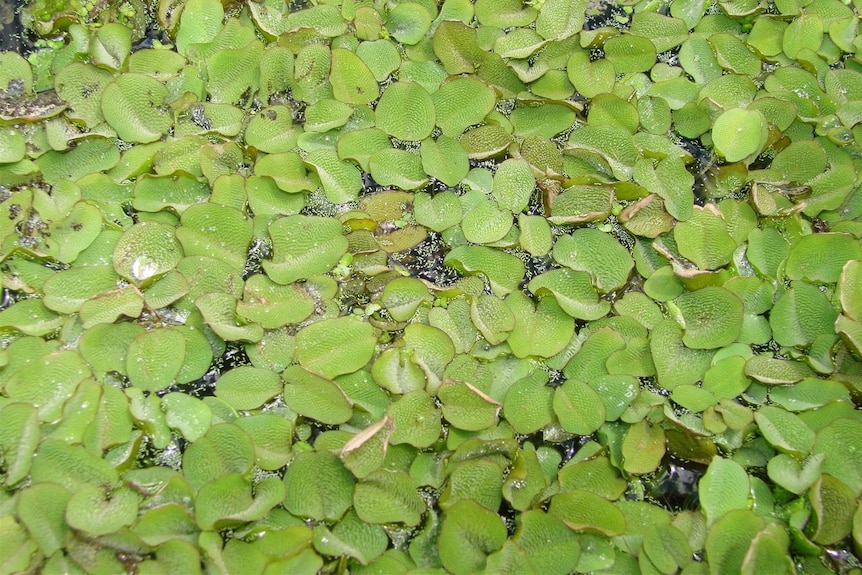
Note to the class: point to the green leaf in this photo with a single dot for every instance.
(643, 448)
(406, 111)
(597, 253)
(711, 317)
(315, 397)
(724, 488)
(318, 486)
(133, 104)
(630, 53)
(93, 511)
(388, 496)
(352, 80)
(738, 134)
(335, 346)
(587, 512)
(227, 500)
(304, 246)
(460, 103)
(832, 502)
(146, 250)
(578, 407)
(469, 533)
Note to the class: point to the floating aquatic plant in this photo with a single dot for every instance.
(441, 287)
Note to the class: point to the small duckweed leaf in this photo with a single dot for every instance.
(272, 436)
(416, 419)
(228, 501)
(578, 407)
(388, 496)
(587, 512)
(218, 230)
(461, 103)
(351, 537)
(469, 533)
(19, 437)
(246, 387)
(154, 358)
(724, 488)
(133, 105)
(466, 407)
(676, 364)
(503, 271)
(444, 159)
(335, 346)
(738, 134)
(315, 397)
(146, 250)
(540, 330)
(42, 510)
(643, 447)
(304, 246)
(820, 257)
(93, 511)
(528, 405)
(630, 53)
(318, 486)
(839, 440)
(397, 168)
(188, 415)
(406, 111)
(597, 253)
(711, 316)
(832, 502)
(794, 475)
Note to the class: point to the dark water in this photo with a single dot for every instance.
(12, 35)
